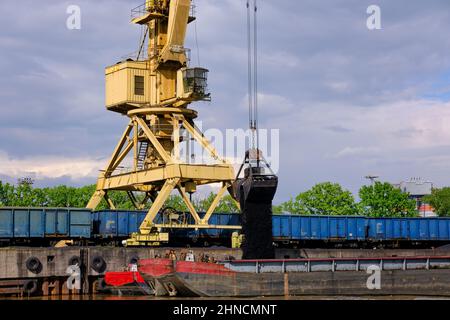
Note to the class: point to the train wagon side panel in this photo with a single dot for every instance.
(123, 225)
(316, 233)
(305, 228)
(351, 228)
(37, 223)
(444, 229)
(424, 231)
(280, 225)
(56, 222)
(389, 229)
(21, 223)
(107, 223)
(276, 227)
(216, 219)
(404, 229)
(295, 226)
(338, 227)
(332, 228)
(80, 223)
(50, 222)
(6, 223)
(433, 229)
(361, 228)
(133, 222)
(62, 222)
(324, 228)
(414, 229)
(377, 229)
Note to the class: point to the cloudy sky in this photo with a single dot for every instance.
(348, 101)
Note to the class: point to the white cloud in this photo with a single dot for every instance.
(42, 167)
(357, 151)
(270, 104)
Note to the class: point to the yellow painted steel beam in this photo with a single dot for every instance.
(119, 147)
(133, 200)
(188, 204)
(95, 200)
(153, 239)
(201, 174)
(154, 141)
(196, 226)
(214, 204)
(109, 201)
(176, 140)
(188, 113)
(120, 158)
(200, 138)
(167, 188)
(135, 145)
(176, 32)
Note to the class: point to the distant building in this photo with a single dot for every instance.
(417, 189)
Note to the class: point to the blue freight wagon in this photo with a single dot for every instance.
(117, 225)
(34, 224)
(409, 229)
(324, 228)
(44, 226)
(309, 231)
(315, 230)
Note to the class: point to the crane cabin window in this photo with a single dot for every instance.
(139, 85)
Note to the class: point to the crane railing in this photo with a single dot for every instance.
(155, 6)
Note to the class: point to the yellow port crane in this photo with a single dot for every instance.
(155, 93)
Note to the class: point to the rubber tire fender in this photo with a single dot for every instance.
(98, 264)
(134, 259)
(34, 265)
(30, 287)
(75, 260)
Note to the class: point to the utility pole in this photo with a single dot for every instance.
(372, 178)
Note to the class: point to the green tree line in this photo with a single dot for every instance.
(380, 199)
(25, 195)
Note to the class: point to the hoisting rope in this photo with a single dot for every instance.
(253, 74)
(196, 37)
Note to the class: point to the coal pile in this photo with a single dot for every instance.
(257, 230)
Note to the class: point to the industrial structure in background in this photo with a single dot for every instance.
(417, 189)
(155, 92)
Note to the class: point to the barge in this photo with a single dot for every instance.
(421, 275)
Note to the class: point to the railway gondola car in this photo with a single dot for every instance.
(47, 226)
(359, 231)
(44, 226)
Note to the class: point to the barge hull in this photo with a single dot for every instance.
(427, 276)
(398, 282)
